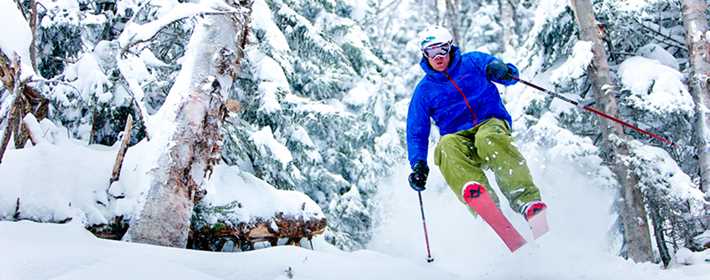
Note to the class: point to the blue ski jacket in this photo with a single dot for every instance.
(437, 98)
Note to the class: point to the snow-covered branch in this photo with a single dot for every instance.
(135, 33)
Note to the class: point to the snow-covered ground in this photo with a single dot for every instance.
(578, 246)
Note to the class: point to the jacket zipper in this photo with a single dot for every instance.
(470, 109)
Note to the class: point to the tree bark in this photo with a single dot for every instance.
(659, 234)
(7, 132)
(637, 237)
(116, 173)
(9, 72)
(189, 137)
(696, 28)
(33, 27)
(452, 12)
(507, 14)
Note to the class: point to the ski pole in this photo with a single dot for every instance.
(426, 235)
(598, 112)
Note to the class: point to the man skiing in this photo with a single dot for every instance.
(457, 93)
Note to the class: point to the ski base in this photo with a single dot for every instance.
(538, 224)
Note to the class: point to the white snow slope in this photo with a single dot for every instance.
(464, 247)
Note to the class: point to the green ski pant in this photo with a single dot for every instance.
(462, 156)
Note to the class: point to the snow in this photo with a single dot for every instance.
(301, 135)
(257, 198)
(577, 247)
(135, 72)
(73, 182)
(684, 257)
(325, 107)
(576, 65)
(60, 12)
(70, 252)
(270, 147)
(150, 59)
(654, 86)
(33, 127)
(360, 94)
(263, 20)
(135, 32)
(636, 5)
(681, 185)
(272, 77)
(547, 9)
(75, 177)
(21, 37)
(89, 78)
(654, 51)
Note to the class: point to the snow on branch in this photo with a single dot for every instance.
(576, 65)
(673, 41)
(140, 33)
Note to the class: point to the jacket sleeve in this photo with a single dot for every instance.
(418, 128)
(481, 60)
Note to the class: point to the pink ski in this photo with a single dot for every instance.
(476, 196)
(537, 219)
(538, 224)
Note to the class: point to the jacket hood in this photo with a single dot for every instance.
(451, 69)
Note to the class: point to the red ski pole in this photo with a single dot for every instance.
(426, 235)
(598, 112)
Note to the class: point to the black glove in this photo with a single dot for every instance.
(417, 180)
(496, 70)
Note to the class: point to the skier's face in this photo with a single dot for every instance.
(438, 55)
(439, 62)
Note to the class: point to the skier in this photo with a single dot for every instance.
(458, 94)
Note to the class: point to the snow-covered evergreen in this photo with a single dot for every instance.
(318, 132)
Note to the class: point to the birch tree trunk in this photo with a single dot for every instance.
(637, 237)
(507, 15)
(696, 28)
(452, 17)
(187, 139)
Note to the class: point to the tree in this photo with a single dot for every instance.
(453, 12)
(189, 138)
(632, 211)
(696, 27)
(16, 76)
(508, 14)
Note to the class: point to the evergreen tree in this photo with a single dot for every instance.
(551, 41)
(311, 87)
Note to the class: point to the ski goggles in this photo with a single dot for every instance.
(437, 49)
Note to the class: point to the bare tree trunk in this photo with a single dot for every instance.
(659, 234)
(452, 12)
(696, 27)
(10, 72)
(116, 173)
(507, 14)
(637, 237)
(7, 131)
(434, 6)
(189, 135)
(33, 27)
